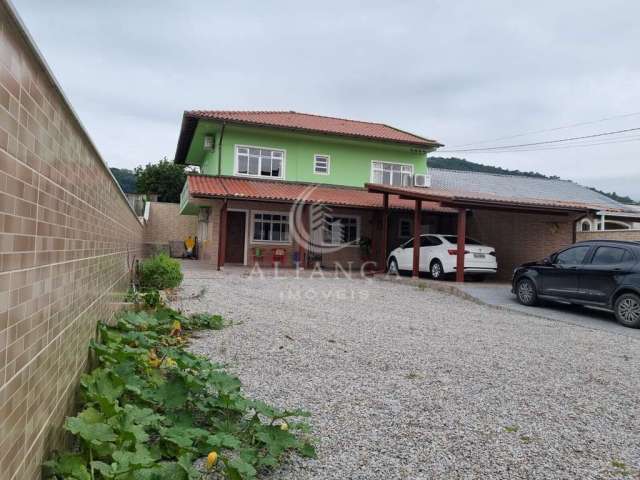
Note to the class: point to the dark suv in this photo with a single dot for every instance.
(602, 273)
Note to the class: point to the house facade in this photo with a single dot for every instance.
(258, 168)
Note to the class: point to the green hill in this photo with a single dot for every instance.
(460, 164)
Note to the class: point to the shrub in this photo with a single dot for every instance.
(160, 272)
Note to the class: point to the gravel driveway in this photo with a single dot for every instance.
(408, 383)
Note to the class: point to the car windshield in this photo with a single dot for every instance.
(467, 241)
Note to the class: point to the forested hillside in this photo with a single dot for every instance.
(460, 164)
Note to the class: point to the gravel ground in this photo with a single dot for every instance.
(409, 383)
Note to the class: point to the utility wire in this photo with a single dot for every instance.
(554, 129)
(546, 142)
(564, 147)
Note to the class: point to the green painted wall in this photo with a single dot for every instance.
(350, 159)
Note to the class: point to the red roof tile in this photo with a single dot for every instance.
(252, 189)
(317, 123)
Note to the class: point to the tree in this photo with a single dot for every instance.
(165, 179)
(126, 178)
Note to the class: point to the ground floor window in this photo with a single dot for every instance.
(405, 229)
(271, 227)
(341, 229)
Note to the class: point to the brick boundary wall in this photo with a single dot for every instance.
(66, 236)
(520, 237)
(165, 224)
(628, 235)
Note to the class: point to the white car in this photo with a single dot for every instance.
(438, 256)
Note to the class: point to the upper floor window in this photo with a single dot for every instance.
(387, 173)
(321, 164)
(259, 162)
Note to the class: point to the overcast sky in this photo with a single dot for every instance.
(459, 72)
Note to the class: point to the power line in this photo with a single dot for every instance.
(546, 142)
(565, 147)
(554, 129)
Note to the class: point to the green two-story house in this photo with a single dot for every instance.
(264, 176)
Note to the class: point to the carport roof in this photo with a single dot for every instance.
(465, 199)
(207, 186)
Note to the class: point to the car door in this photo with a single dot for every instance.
(428, 244)
(599, 277)
(560, 276)
(404, 256)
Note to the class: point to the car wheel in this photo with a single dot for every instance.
(393, 267)
(627, 310)
(436, 270)
(526, 292)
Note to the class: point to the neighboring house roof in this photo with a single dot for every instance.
(299, 121)
(521, 187)
(468, 199)
(269, 190)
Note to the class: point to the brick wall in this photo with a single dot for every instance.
(628, 235)
(66, 234)
(520, 237)
(165, 224)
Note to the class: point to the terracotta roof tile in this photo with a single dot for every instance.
(252, 189)
(317, 123)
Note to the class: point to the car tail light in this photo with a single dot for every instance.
(454, 251)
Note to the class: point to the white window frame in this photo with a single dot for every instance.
(400, 221)
(315, 163)
(374, 169)
(252, 239)
(358, 230)
(236, 163)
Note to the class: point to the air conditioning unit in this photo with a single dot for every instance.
(203, 214)
(421, 180)
(209, 142)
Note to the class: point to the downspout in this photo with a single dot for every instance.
(220, 149)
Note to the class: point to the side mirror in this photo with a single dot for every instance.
(547, 261)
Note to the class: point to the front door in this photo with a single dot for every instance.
(234, 252)
(560, 278)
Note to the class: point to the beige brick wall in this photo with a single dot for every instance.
(628, 235)
(165, 224)
(66, 234)
(520, 237)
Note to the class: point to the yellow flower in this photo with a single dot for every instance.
(212, 458)
(176, 328)
(284, 426)
(154, 362)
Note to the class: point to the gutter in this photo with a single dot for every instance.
(224, 124)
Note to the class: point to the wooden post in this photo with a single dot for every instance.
(222, 235)
(385, 231)
(462, 233)
(417, 229)
(303, 250)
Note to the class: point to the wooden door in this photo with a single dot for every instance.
(234, 252)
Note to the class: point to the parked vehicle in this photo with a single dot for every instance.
(602, 273)
(438, 256)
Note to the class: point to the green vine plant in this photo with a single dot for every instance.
(150, 409)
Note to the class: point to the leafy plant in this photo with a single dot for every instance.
(160, 272)
(150, 408)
